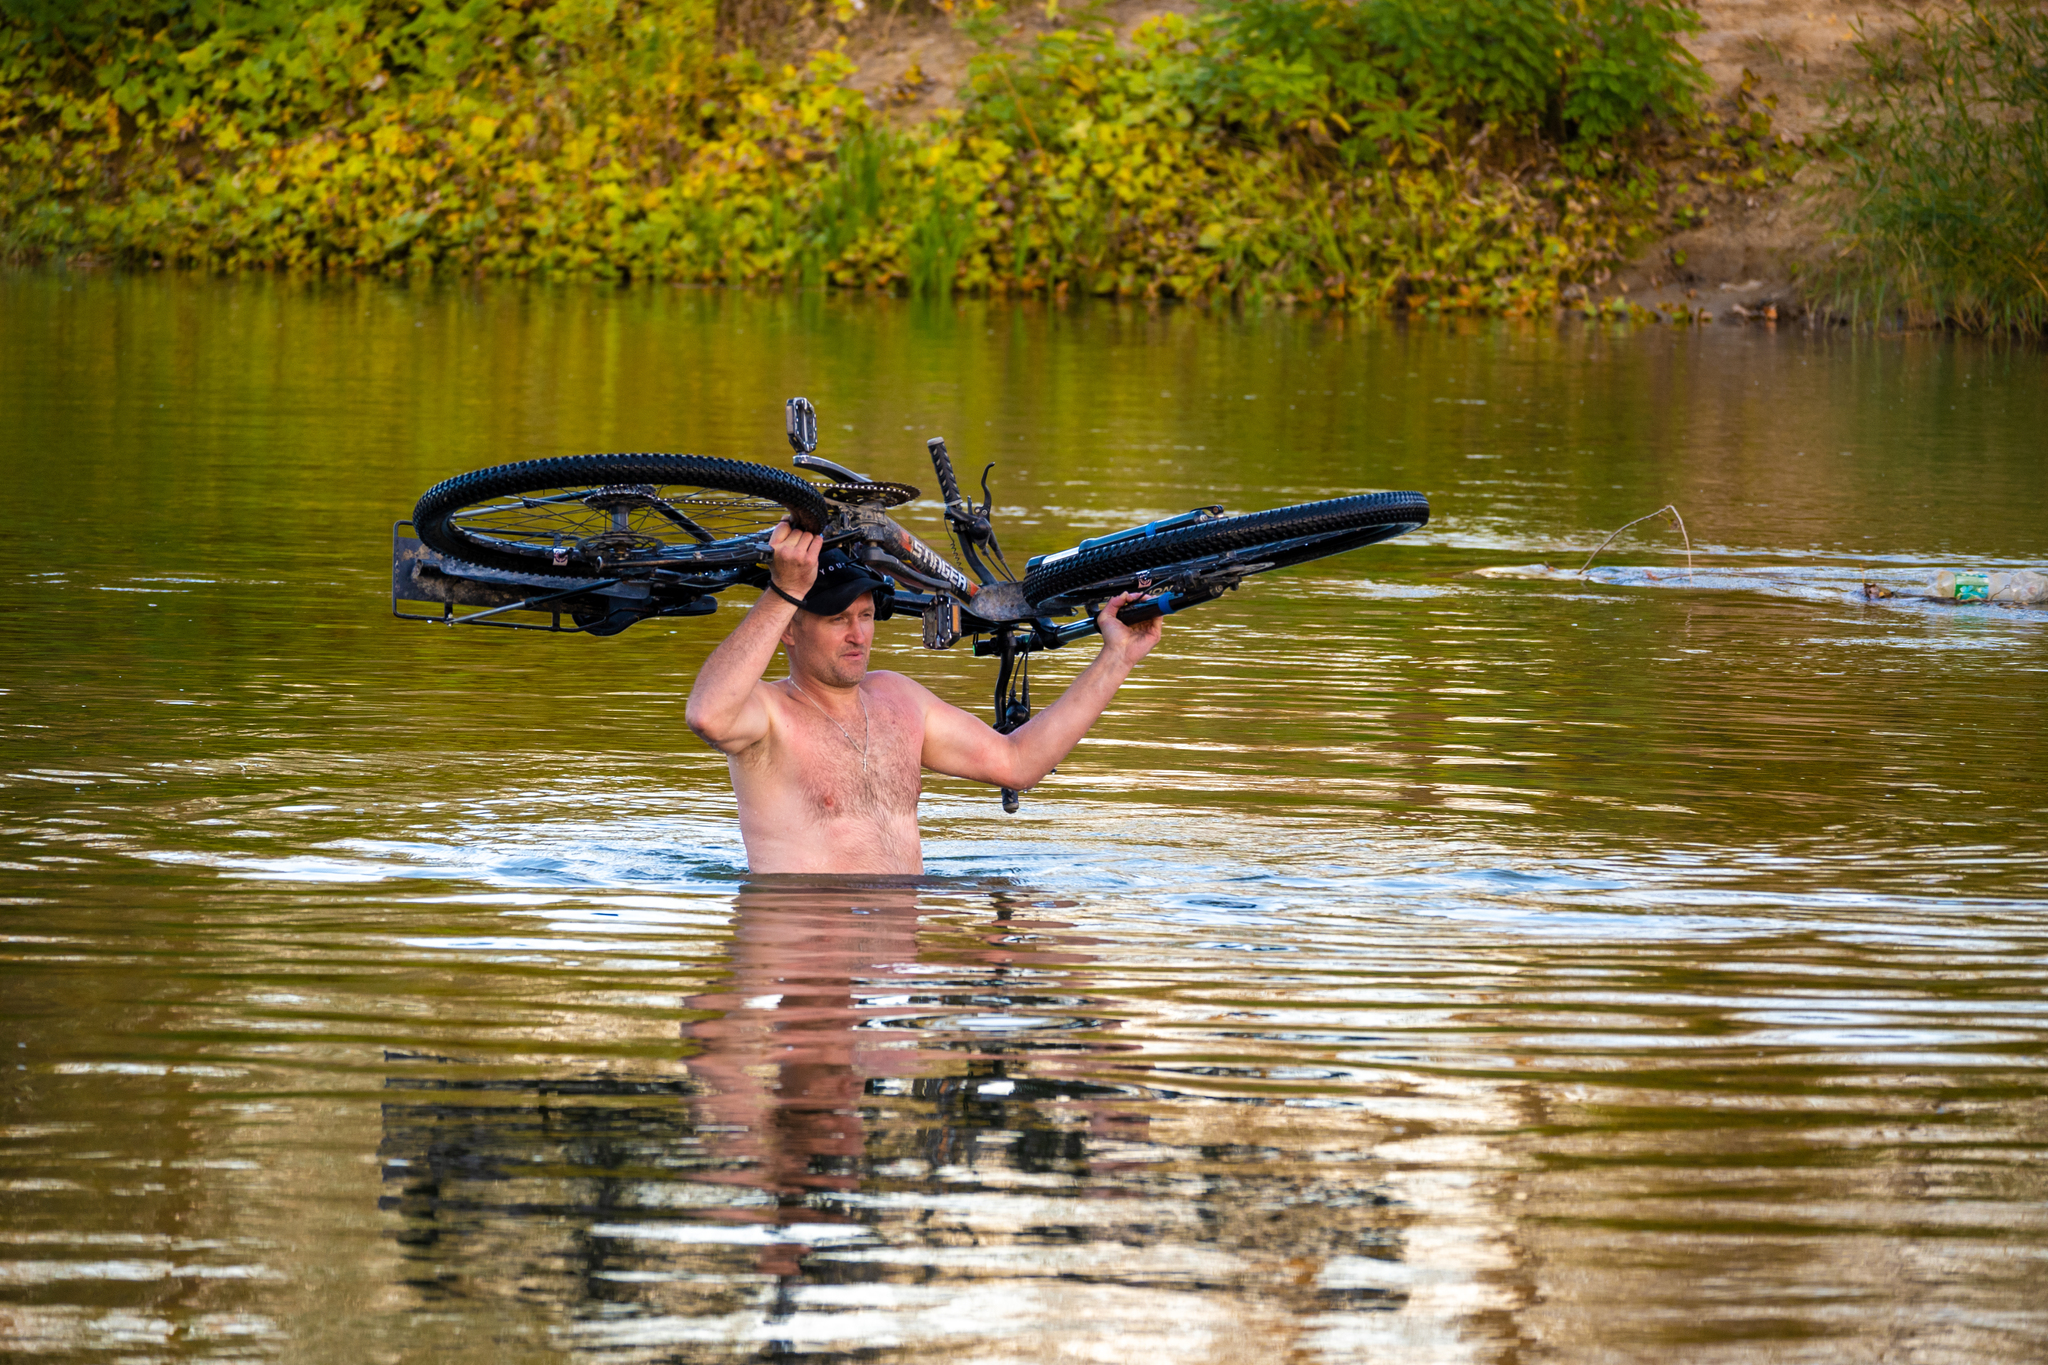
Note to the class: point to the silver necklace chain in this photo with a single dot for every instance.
(865, 733)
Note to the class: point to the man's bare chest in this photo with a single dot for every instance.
(832, 770)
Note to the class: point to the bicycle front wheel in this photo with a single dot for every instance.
(565, 516)
(1228, 546)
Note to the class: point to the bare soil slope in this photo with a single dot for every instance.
(913, 62)
(1751, 251)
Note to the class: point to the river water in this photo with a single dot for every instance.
(1412, 967)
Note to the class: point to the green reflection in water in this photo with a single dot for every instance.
(216, 467)
(1667, 961)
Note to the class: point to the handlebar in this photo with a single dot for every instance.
(957, 506)
(969, 522)
(1042, 634)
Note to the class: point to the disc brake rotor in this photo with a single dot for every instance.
(619, 545)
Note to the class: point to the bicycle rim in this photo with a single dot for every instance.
(1255, 542)
(567, 516)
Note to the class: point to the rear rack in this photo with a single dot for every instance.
(419, 575)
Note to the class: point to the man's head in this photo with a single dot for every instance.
(830, 637)
(833, 649)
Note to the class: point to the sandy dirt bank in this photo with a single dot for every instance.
(1754, 249)
(1749, 255)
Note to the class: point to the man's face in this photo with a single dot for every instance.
(834, 648)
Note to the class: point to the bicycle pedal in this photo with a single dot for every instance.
(941, 623)
(802, 424)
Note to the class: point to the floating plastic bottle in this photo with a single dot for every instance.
(2015, 587)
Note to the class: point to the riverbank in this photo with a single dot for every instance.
(1611, 158)
(1766, 251)
(1366, 156)
(1759, 252)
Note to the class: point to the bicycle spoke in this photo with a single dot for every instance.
(667, 510)
(538, 523)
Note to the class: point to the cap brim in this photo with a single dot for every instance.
(830, 600)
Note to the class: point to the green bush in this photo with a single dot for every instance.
(1572, 72)
(1431, 154)
(1945, 149)
(1277, 151)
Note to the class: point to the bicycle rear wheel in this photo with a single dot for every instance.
(1225, 549)
(564, 516)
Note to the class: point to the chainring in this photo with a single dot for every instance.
(875, 494)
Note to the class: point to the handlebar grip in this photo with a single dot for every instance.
(942, 465)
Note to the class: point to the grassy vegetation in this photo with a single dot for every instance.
(1462, 154)
(1945, 151)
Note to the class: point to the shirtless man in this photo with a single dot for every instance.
(828, 762)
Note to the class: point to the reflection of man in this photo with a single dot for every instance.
(827, 763)
(779, 1072)
(828, 989)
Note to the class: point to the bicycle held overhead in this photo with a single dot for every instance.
(611, 540)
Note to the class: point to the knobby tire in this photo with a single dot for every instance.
(1361, 520)
(807, 510)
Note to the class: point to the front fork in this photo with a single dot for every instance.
(1013, 697)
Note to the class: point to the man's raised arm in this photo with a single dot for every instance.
(724, 708)
(960, 745)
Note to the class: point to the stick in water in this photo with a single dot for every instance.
(1667, 507)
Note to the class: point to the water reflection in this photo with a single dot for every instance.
(880, 1135)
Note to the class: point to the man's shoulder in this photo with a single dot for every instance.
(773, 692)
(889, 683)
(904, 694)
